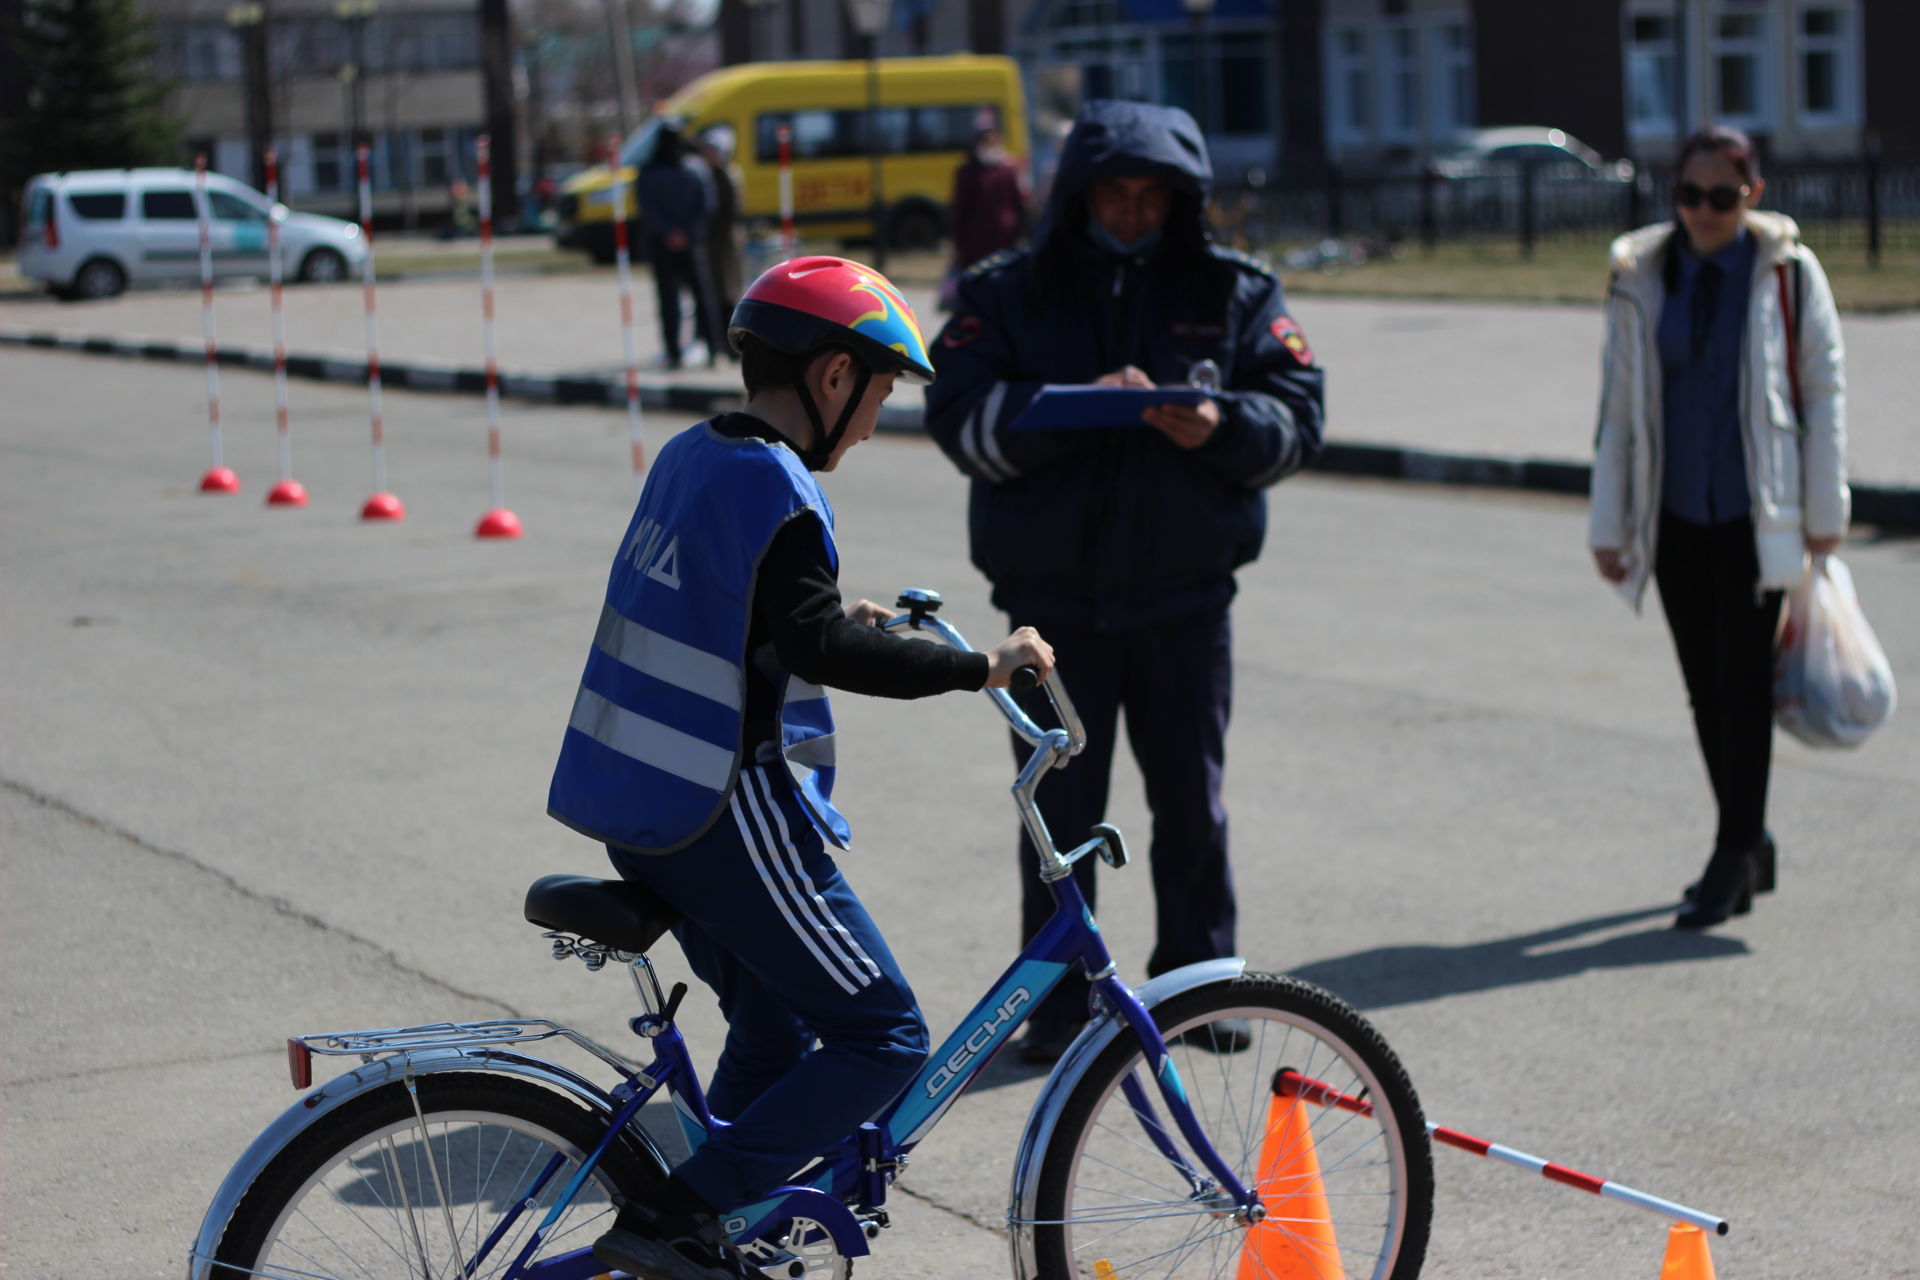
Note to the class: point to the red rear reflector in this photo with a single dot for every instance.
(300, 1064)
(53, 226)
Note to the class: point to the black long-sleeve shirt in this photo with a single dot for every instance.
(800, 621)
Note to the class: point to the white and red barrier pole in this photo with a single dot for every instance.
(219, 479)
(622, 261)
(787, 245)
(289, 492)
(1291, 1084)
(382, 505)
(498, 522)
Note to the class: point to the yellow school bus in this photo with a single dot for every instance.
(929, 110)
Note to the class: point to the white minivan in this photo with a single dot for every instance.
(89, 234)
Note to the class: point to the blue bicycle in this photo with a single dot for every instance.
(1154, 1150)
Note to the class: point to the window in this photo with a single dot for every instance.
(1452, 79)
(434, 155)
(1243, 73)
(231, 208)
(100, 205)
(1826, 56)
(826, 135)
(329, 162)
(168, 206)
(1401, 117)
(1651, 64)
(1738, 58)
(1349, 87)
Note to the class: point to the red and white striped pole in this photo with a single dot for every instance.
(787, 245)
(289, 492)
(219, 479)
(498, 522)
(382, 505)
(1291, 1084)
(623, 262)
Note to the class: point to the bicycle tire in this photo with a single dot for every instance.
(356, 1194)
(1107, 1196)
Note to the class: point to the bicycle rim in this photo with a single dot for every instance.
(379, 1196)
(1348, 1195)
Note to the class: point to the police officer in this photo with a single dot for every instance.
(1120, 542)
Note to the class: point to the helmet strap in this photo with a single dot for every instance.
(824, 441)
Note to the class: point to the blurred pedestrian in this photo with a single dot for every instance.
(675, 200)
(724, 240)
(1119, 541)
(988, 211)
(1720, 464)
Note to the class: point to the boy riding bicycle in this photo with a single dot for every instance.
(700, 749)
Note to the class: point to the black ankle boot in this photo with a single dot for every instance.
(1726, 889)
(1764, 858)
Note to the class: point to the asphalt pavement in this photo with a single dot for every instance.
(265, 772)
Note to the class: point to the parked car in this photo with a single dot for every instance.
(1482, 177)
(91, 233)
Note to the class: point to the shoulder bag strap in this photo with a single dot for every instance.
(1790, 321)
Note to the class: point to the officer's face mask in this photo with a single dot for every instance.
(1113, 244)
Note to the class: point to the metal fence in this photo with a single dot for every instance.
(1850, 207)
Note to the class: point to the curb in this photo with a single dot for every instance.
(1883, 506)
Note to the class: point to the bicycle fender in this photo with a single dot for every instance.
(1073, 1064)
(373, 1075)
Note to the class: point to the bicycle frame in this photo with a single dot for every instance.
(862, 1167)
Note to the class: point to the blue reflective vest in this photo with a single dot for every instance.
(654, 745)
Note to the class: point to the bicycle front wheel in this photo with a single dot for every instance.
(1348, 1189)
(374, 1191)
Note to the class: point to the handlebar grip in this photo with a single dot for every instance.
(1023, 679)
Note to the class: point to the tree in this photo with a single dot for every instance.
(92, 100)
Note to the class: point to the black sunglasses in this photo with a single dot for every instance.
(1722, 198)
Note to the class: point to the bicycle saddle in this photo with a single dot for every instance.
(619, 914)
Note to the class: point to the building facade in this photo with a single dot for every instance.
(406, 75)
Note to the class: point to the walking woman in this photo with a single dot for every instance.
(1720, 463)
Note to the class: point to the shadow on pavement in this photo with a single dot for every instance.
(1389, 976)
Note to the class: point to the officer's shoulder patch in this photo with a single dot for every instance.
(1245, 261)
(994, 262)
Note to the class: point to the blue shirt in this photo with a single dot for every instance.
(1702, 330)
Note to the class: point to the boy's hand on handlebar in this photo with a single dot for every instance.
(869, 614)
(1024, 648)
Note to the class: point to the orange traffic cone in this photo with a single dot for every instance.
(1687, 1256)
(1295, 1240)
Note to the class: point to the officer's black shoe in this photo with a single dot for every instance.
(654, 1244)
(1229, 1035)
(1046, 1041)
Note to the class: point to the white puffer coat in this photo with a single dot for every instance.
(1796, 470)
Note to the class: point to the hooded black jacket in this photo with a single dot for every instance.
(1121, 528)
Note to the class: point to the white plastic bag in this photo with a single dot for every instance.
(1831, 682)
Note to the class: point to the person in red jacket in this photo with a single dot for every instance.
(989, 206)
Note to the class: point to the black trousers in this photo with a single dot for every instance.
(1723, 631)
(674, 270)
(1175, 683)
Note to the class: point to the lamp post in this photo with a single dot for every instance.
(354, 13)
(1197, 12)
(870, 19)
(249, 23)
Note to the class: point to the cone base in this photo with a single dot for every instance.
(288, 493)
(383, 506)
(498, 523)
(220, 480)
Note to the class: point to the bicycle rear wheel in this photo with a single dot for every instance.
(367, 1193)
(1348, 1195)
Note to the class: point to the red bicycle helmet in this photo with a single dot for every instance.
(805, 304)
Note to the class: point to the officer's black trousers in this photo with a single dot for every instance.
(674, 270)
(1175, 683)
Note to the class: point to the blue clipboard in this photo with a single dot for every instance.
(1078, 408)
